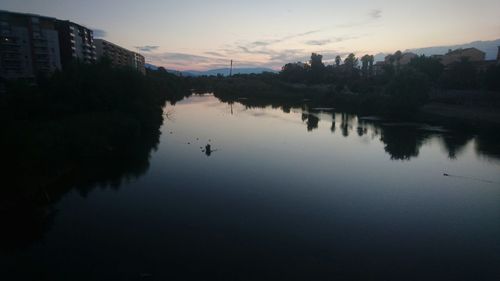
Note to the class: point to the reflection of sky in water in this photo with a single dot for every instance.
(275, 195)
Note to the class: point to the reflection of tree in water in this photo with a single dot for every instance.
(346, 123)
(402, 143)
(488, 145)
(312, 121)
(86, 159)
(455, 143)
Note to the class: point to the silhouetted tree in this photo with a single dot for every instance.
(317, 68)
(338, 60)
(294, 72)
(365, 65)
(429, 66)
(407, 90)
(491, 78)
(461, 75)
(351, 61)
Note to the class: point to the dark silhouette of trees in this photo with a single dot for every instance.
(428, 66)
(294, 72)
(91, 125)
(407, 90)
(367, 65)
(317, 68)
(351, 61)
(491, 78)
(461, 75)
(338, 61)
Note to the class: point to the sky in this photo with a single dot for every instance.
(200, 35)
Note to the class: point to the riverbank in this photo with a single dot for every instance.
(469, 114)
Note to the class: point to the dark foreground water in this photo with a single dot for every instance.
(286, 194)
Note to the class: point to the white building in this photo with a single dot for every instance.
(119, 56)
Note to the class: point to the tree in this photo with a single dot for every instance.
(316, 61)
(460, 76)
(294, 72)
(365, 64)
(338, 60)
(407, 90)
(371, 60)
(492, 78)
(317, 68)
(351, 61)
(429, 66)
(397, 58)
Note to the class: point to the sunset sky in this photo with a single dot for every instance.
(207, 34)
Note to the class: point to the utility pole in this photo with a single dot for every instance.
(231, 69)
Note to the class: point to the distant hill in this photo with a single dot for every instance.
(225, 71)
(489, 47)
(215, 72)
(151, 66)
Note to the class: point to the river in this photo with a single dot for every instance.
(281, 194)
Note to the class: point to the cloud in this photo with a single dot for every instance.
(266, 43)
(99, 33)
(332, 40)
(318, 42)
(215, 54)
(375, 14)
(185, 61)
(147, 48)
(273, 59)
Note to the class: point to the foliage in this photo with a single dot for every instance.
(428, 66)
(83, 116)
(407, 90)
(461, 75)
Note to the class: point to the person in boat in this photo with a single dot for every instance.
(208, 150)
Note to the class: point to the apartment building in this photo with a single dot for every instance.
(119, 56)
(471, 54)
(139, 63)
(76, 42)
(403, 59)
(29, 44)
(498, 55)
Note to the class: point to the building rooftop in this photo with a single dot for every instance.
(459, 51)
(27, 15)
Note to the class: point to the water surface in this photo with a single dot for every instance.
(285, 194)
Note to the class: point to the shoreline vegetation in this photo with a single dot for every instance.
(463, 92)
(90, 125)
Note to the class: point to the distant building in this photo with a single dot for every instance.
(407, 58)
(76, 42)
(498, 55)
(119, 56)
(138, 62)
(471, 54)
(403, 60)
(29, 44)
